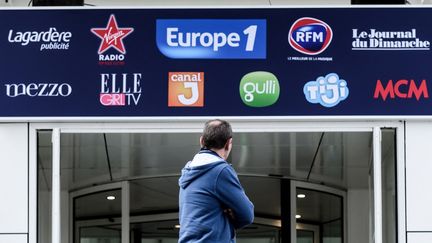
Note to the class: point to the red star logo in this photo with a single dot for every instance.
(112, 36)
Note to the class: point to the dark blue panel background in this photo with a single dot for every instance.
(79, 67)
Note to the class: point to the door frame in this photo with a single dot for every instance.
(240, 124)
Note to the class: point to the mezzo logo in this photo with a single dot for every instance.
(38, 90)
(310, 36)
(327, 91)
(259, 89)
(212, 38)
(186, 89)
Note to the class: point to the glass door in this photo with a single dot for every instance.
(307, 233)
(98, 214)
(319, 213)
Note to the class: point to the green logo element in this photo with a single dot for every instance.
(259, 89)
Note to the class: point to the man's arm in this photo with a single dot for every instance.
(232, 195)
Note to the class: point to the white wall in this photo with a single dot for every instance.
(13, 238)
(419, 237)
(419, 181)
(13, 183)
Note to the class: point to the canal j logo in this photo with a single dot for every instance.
(186, 89)
(259, 89)
(327, 91)
(310, 36)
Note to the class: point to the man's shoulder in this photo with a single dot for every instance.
(220, 166)
(226, 171)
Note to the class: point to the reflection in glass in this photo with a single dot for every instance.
(388, 163)
(321, 212)
(96, 218)
(44, 186)
(100, 235)
(305, 236)
(332, 232)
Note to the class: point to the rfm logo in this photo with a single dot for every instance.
(120, 91)
(310, 36)
(403, 88)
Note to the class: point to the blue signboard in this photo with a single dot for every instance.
(215, 62)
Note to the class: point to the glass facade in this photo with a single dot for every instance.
(151, 162)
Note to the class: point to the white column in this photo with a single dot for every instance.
(377, 184)
(56, 186)
(13, 180)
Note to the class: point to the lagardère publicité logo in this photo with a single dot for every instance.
(259, 89)
(51, 39)
(310, 36)
(212, 38)
(327, 91)
(112, 37)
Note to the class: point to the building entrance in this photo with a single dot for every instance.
(307, 186)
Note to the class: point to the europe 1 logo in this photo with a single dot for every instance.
(112, 38)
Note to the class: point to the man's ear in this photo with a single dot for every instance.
(201, 141)
(228, 145)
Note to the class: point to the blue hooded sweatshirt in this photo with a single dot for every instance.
(206, 192)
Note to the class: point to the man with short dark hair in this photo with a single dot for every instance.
(212, 202)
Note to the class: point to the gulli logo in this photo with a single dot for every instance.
(259, 89)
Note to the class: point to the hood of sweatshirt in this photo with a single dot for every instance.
(201, 164)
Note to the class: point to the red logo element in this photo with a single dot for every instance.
(404, 89)
(112, 36)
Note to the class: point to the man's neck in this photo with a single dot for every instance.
(220, 152)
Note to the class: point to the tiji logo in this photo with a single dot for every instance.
(403, 89)
(310, 36)
(120, 89)
(327, 91)
(185, 89)
(259, 89)
(112, 37)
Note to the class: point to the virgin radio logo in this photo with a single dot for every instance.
(310, 36)
(112, 50)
